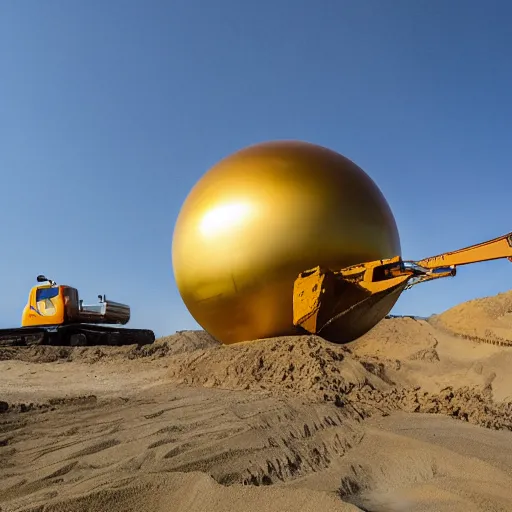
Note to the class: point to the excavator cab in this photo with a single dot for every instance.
(45, 305)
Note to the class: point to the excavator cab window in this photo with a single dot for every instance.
(44, 303)
(46, 293)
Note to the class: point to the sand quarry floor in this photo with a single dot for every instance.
(414, 416)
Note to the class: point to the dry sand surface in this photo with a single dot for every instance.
(414, 416)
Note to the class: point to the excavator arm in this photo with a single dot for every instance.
(495, 249)
(444, 265)
(340, 299)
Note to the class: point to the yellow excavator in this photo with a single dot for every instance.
(55, 315)
(342, 305)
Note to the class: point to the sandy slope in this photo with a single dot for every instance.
(280, 424)
(487, 318)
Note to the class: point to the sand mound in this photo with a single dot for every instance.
(316, 370)
(182, 341)
(488, 319)
(398, 339)
(307, 366)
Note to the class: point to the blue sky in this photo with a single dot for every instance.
(111, 111)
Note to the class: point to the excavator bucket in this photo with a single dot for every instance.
(327, 303)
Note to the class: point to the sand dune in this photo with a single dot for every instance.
(487, 320)
(415, 415)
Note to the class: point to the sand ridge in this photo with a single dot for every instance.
(488, 319)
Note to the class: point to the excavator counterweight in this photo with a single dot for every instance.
(334, 302)
(55, 315)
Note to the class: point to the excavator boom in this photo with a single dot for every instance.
(495, 249)
(347, 303)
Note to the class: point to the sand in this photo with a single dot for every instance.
(415, 415)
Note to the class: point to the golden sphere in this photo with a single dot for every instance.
(261, 216)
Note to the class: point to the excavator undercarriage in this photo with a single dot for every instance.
(74, 335)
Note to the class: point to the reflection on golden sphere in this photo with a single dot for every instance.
(261, 216)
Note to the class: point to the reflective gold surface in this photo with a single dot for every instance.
(258, 218)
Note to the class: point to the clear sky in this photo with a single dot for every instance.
(110, 111)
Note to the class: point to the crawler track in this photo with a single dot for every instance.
(75, 335)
